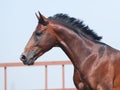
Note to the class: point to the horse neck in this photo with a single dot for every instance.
(77, 47)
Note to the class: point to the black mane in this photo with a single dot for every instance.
(76, 25)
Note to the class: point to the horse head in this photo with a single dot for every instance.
(41, 41)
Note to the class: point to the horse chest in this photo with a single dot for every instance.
(99, 76)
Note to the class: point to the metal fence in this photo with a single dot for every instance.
(46, 64)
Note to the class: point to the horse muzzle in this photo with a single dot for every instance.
(27, 60)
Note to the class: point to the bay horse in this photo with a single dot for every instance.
(96, 64)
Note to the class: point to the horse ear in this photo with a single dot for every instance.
(37, 16)
(42, 17)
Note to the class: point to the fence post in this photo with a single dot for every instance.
(5, 78)
(63, 77)
(46, 77)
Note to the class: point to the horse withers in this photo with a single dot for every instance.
(96, 64)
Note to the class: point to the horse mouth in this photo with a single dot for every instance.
(31, 60)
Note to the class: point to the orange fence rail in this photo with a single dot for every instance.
(46, 64)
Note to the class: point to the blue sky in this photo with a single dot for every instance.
(18, 21)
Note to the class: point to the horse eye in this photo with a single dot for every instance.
(38, 33)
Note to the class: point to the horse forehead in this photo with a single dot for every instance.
(40, 27)
(49, 27)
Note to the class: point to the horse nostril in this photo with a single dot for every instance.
(23, 58)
